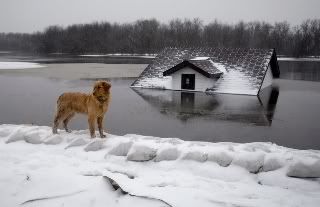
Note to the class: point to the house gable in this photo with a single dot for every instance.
(189, 64)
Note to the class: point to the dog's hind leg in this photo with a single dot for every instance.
(57, 119)
(56, 124)
(66, 121)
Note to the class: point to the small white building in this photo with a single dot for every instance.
(212, 70)
(197, 74)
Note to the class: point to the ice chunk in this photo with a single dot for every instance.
(198, 156)
(304, 169)
(221, 157)
(53, 140)
(95, 145)
(121, 149)
(252, 161)
(165, 153)
(141, 153)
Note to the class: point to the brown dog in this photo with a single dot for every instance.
(95, 105)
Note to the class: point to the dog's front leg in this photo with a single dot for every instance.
(91, 121)
(100, 126)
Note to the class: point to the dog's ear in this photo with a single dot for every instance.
(107, 86)
(95, 88)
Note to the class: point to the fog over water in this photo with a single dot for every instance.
(35, 15)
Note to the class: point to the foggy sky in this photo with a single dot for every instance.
(36, 15)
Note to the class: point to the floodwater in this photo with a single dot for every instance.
(286, 113)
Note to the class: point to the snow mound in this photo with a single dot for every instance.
(53, 140)
(253, 157)
(305, 169)
(95, 145)
(223, 158)
(141, 153)
(77, 142)
(252, 161)
(196, 156)
(273, 162)
(33, 137)
(121, 149)
(167, 153)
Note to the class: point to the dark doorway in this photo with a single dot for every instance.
(188, 81)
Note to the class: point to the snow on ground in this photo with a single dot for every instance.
(298, 59)
(70, 169)
(19, 65)
(121, 55)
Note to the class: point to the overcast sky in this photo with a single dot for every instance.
(35, 15)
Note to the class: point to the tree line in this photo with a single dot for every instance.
(151, 36)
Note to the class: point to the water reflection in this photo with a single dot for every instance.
(236, 108)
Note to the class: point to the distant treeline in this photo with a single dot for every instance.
(150, 36)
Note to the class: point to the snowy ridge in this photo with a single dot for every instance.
(180, 173)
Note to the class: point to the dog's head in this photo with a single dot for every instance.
(101, 90)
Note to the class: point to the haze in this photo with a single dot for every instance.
(35, 15)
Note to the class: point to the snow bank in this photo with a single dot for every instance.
(19, 65)
(51, 170)
(254, 157)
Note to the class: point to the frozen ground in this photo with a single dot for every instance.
(19, 65)
(41, 169)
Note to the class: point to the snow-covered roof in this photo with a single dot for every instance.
(243, 69)
(205, 67)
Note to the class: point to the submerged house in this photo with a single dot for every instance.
(211, 70)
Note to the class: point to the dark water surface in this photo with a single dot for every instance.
(288, 113)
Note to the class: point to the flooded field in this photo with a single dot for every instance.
(286, 114)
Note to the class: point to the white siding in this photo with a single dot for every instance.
(201, 81)
(267, 79)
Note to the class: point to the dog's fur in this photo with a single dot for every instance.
(94, 105)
